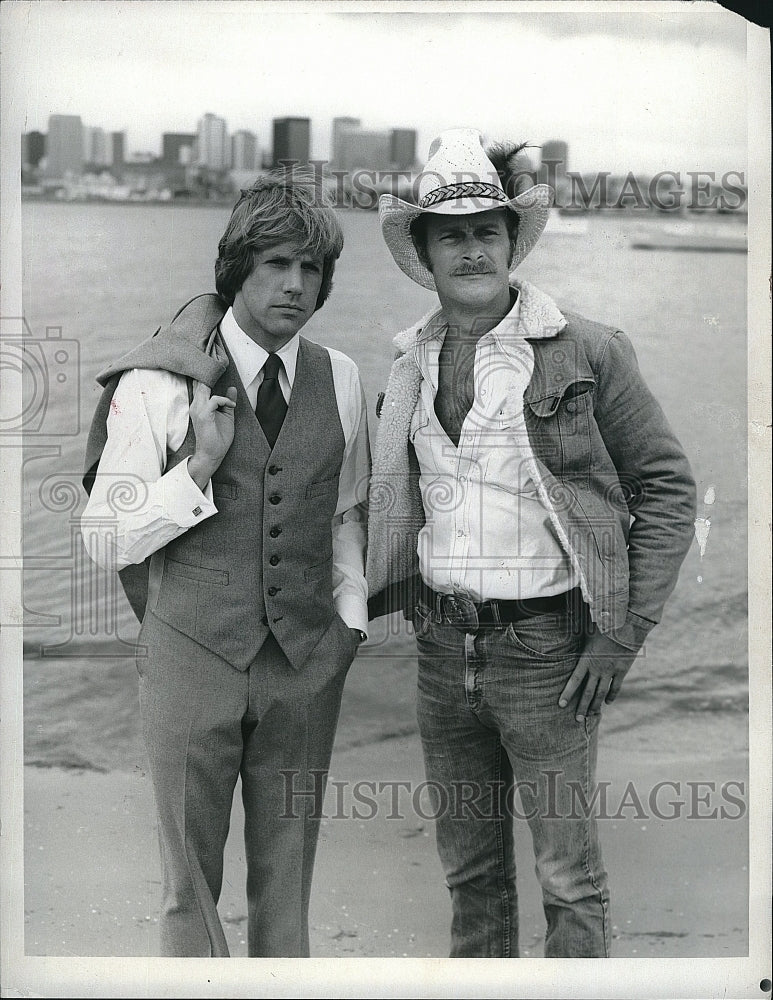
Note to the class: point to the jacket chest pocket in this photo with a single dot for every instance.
(560, 427)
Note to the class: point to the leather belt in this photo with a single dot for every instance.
(469, 616)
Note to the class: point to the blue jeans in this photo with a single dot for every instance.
(490, 724)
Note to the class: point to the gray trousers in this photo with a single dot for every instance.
(206, 723)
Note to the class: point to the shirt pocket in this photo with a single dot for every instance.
(509, 418)
(419, 422)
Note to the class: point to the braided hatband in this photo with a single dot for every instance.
(466, 189)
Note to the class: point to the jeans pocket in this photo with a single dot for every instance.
(547, 637)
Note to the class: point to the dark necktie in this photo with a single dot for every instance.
(270, 408)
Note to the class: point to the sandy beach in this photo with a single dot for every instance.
(680, 885)
(379, 892)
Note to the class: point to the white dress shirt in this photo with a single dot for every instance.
(487, 534)
(148, 420)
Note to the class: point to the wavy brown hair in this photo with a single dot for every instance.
(281, 206)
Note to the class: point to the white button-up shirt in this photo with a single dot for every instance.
(487, 534)
(148, 420)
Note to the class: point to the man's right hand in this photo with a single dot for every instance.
(213, 424)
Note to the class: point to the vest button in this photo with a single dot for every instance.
(571, 407)
(274, 498)
(273, 591)
(275, 532)
(273, 469)
(264, 620)
(274, 560)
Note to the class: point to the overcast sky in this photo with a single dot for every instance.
(630, 86)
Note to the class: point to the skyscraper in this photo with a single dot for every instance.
(245, 154)
(33, 148)
(364, 149)
(97, 151)
(337, 138)
(403, 148)
(177, 148)
(118, 140)
(291, 140)
(214, 150)
(64, 152)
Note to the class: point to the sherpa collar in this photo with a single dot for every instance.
(538, 317)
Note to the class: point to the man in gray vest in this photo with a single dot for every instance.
(530, 509)
(245, 448)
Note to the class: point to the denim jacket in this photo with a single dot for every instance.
(613, 477)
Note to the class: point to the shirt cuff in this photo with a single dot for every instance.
(184, 502)
(354, 612)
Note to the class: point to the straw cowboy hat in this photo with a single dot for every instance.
(460, 178)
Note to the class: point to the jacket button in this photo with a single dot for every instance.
(273, 469)
(273, 591)
(275, 532)
(274, 498)
(274, 560)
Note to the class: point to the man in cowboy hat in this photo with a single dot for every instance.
(244, 554)
(529, 509)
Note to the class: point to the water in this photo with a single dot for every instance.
(108, 275)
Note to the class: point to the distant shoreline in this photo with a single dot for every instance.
(626, 212)
(133, 202)
(179, 203)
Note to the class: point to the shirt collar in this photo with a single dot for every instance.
(534, 315)
(250, 357)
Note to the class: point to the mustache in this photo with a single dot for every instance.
(472, 269)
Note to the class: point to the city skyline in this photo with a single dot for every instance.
(663, 88)
(72, 145)
(213, 163)
(403, 136)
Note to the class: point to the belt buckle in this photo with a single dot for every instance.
(460, 612)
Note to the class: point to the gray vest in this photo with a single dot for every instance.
(264, 561)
